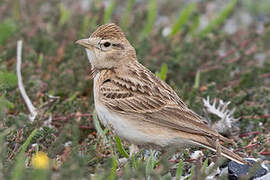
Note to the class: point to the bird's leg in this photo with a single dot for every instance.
(133, 149)
(110, 128)
(218, 147)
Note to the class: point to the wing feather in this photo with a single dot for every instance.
(138, 92)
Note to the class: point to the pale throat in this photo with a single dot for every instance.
(91, 56)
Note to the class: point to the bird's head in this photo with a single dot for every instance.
(107, 47)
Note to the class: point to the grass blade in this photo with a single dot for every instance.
(194, 25)
(120, 146)
(163, 72)
(28, 140)
(197, 80)
(113, 170)
(223, 15)
(64, 14)
(151, 17)
(98, 127)
(85, 25)
(19, 166)
(179, 170)
(192, 171)
(205, 164)
(183, 18)
(108, 12)
(133, 161)
(125, 18)
(149, 166)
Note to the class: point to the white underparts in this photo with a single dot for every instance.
(124, 129)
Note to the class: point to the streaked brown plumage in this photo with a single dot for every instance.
(139, 106)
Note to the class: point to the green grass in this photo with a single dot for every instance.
(120, 147)
(220, 18)
(108, 12)
(64, 14)
(19, 166)
(126, 17)
(195, 64)
(151, 17)
(183, 18)
(8, 28)
(163, 72)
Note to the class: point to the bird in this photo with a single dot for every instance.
(141, 108)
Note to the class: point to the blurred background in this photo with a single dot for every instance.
(201, 48)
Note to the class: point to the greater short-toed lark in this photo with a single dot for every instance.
(140, 107)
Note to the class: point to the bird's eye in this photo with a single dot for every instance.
(107, 44)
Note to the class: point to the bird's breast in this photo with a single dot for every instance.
(136, 131)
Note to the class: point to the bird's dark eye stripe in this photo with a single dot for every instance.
(118, 45)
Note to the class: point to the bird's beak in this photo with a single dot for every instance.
(84, 42)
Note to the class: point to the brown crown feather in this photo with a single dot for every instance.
(109, 31)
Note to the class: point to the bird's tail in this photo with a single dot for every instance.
(226, 153)
(232, 156)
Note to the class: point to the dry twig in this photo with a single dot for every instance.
(31, 108)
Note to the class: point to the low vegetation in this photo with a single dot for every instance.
(66, 141)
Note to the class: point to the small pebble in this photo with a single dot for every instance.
(236, 170)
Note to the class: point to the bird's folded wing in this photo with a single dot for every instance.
(139, 93)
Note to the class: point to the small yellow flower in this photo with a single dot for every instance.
(40, 160)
